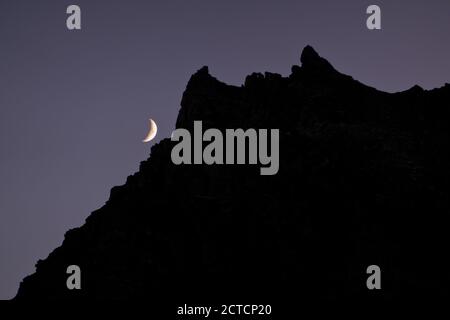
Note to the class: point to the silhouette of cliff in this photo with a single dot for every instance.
(363, 180)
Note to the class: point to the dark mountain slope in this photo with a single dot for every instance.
(363, 180)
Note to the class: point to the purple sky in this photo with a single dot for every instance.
(74, 105)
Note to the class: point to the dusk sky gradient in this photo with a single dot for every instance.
(74, 105)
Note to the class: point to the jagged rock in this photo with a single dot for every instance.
(363, 180)
(311, 60)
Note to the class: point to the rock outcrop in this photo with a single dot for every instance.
(363, 180)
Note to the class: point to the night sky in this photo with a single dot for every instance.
(74, 105)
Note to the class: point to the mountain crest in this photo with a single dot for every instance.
(363, 179)
(311, 60)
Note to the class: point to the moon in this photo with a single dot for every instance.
(152, 131)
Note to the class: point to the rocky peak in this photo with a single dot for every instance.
(363, 180)
(311, 61)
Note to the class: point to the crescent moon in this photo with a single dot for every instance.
(152, 132)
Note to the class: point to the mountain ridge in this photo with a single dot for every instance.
(358, 168)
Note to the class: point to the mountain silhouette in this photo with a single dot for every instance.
(363, 180)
